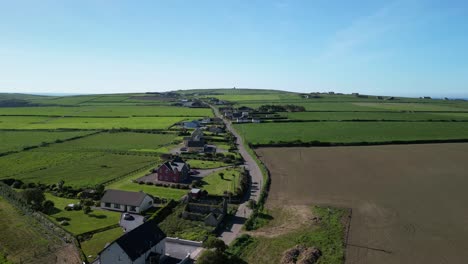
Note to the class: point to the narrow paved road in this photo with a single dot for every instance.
(254, 193)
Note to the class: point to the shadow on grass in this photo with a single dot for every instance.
(60, 219)
(97, 216)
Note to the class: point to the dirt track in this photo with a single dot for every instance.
(408, 201)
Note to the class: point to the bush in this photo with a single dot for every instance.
(87, 209)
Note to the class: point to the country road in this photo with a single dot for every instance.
(243, 211)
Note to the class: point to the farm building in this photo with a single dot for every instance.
(125, 201)
(173, 171)
(191, 124)
(144, 244)
(195, 143)
(211, 212)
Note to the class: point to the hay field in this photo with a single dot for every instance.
(408, 201)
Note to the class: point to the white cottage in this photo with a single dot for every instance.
(144, 244)
(123, 201)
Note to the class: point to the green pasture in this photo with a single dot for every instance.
(118, 141)
(433, 107)
(18, 230)
(349, 116)
(109, 111)
(352, 132)
(28, 122)
(79, 222)
(17, 140)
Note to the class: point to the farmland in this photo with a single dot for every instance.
(17, 140)
(352, 132)
(403, 197)
(390, 116)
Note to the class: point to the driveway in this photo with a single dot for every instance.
(235, 226)
(129, 225)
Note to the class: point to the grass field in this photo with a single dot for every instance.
(18, 230)
(350, 132)
(28, 122)
(415, 106)
(349, 116)
(118, 141)
(403, 198)
(78, 220)
(217, 185)
(176, 226)
(75, 168)
(93, 246)
(107, 111)
(269, 242)
(17, 140)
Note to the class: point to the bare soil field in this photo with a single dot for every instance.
(408, 201)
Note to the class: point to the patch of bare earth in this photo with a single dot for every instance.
(408, 201)
(286, 220)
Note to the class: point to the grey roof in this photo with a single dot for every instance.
(123, 197)
(194, 144)
(141, 239)
(172, 165)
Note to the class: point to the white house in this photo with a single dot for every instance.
(123, 201)
(144, 244)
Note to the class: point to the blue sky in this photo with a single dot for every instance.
(411, 47)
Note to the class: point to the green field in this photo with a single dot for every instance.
(127, 141)
(99, 240)
(32, 122)
(349, 116)
(17, 140)
(351, 132)
(217, 185)
(107, 111)
(416, 106)
(88, 172)
(18, 230)
(79, 222)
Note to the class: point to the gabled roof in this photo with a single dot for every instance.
(123, 197)
(175, 164)
(141, 239)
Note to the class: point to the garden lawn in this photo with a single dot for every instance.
(216, 185)
(205, 164)
(352, 132)
(98, 241)
(78, 220)
(17, 140)
(158, 191)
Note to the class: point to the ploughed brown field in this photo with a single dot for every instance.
(409, 202)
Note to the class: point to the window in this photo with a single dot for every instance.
(132, 208)
(117, 206)
(107, 204)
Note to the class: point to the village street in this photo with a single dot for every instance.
(243, 211)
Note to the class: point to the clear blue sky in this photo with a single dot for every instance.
(410, 47)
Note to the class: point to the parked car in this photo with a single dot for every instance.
(128, 216)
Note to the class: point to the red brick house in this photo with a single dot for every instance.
(175, 170)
